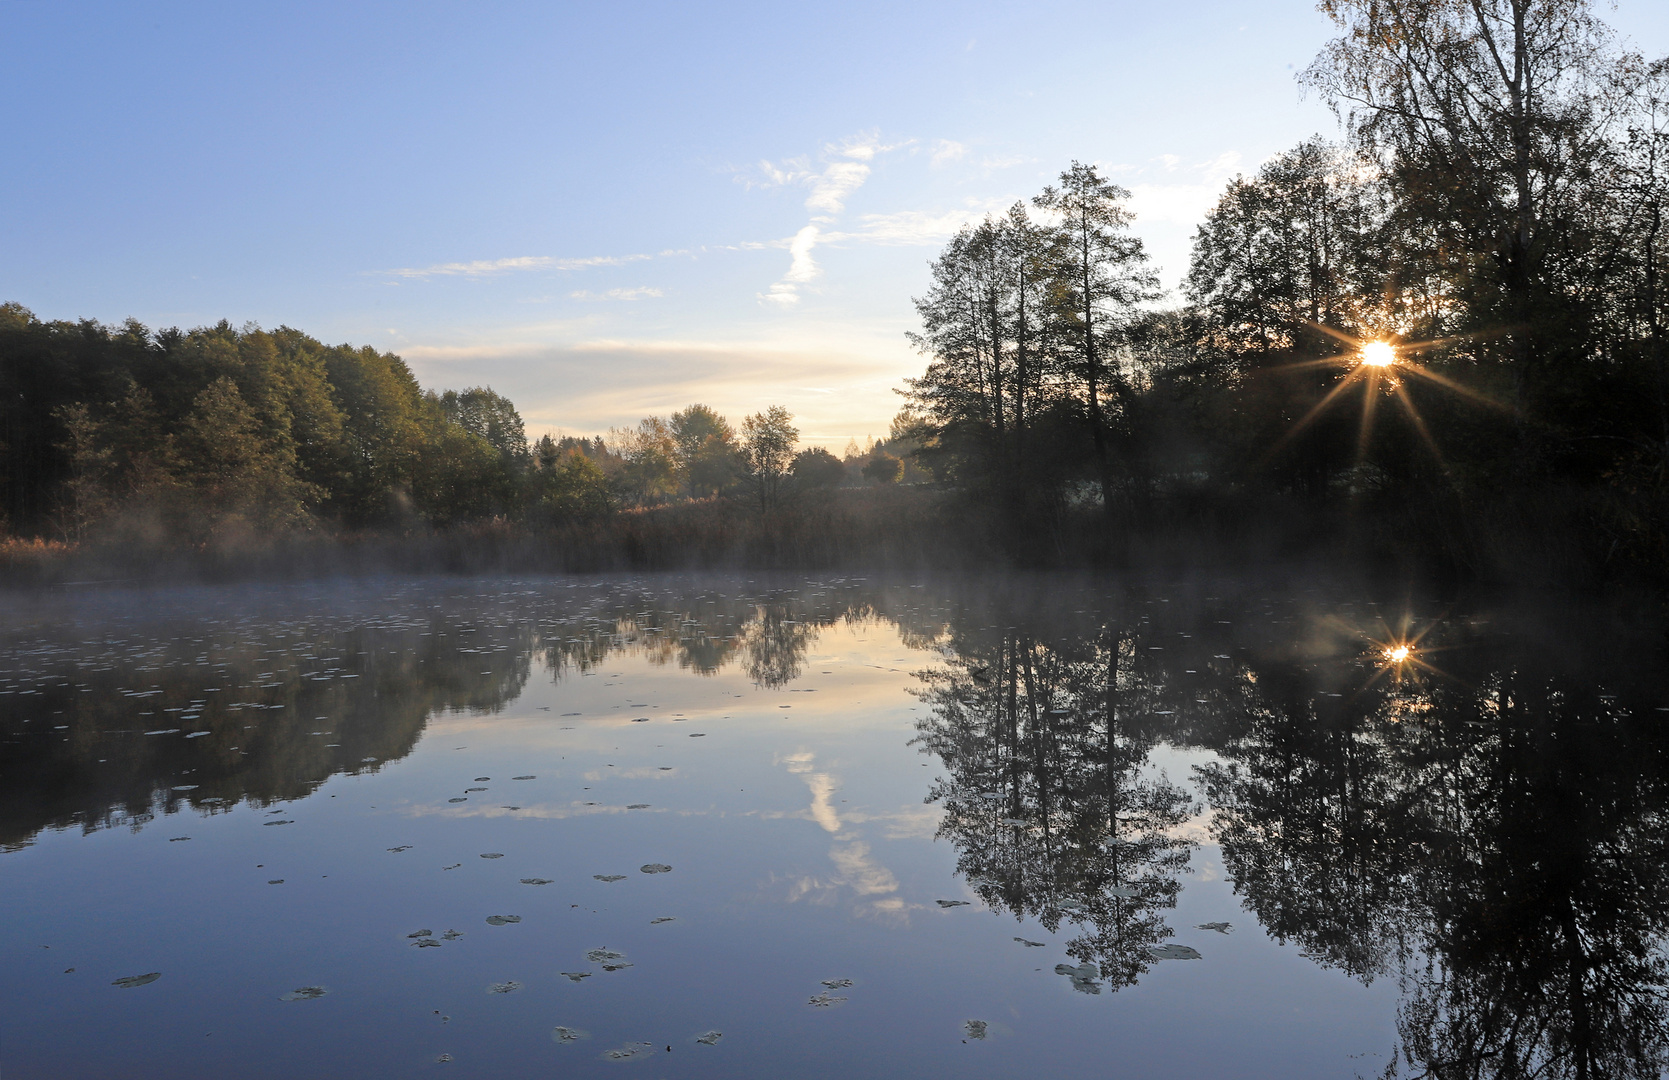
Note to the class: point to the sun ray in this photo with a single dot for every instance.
(1419, 422)
(1450, 384)
(1304, 422)
(1370, 401)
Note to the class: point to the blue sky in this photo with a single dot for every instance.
(611, 210)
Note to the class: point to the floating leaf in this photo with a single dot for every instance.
(453, 935)
(837, 984)
(1219, 927)
(1084, 978)
(655, 868)
(565, 1035)
(420, 933)
(131, 981)
(975, 1029)
(524, 778)
(576, 976)
(825, 1001)
(503, 987)
(501, 920)
(629, 1051)
(304, 993)
(493, 855)
(1030, 944)
(609, 877)
(951, 903)
(662, 919)
(638, 806)
(537, 881)
(709, 1038)
(402, 847)
(1174, 952)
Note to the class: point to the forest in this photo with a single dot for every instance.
(1437, 338)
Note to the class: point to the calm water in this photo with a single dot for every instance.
(839, 827)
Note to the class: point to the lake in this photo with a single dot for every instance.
(830, 826)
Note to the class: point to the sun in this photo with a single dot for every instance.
(1398, 654)
(1379, 368)
(1379, 354)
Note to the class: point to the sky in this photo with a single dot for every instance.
(607, 211)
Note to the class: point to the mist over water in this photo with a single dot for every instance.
(764, 825)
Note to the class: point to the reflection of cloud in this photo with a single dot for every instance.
(860, 873)
(822, 786)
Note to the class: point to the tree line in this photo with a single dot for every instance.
(1491, 221)
(221, 434)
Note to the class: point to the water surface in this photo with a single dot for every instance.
(846, 826)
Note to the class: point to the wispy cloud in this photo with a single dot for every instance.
(946, 151)
(493, 267)
(844, 169)
(642, 292)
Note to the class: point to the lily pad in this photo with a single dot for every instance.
(493, 855)
(576, 976)
(453, 935)
(1085, 978)
(655, 868)
(278, 823)
(1030, 944)
(524, 778)
(130, 981)
(1174, 952)
(974, 1029)
(304, 993)
(420, 933)
(426, 943)
(609, 877)
(502, 920)
(565, 1035)
(951, 903)
(1124, 891)
(443, 1059)
(629, 1051)
(468, 790)
(503, 987)
(597, 956)
(709, 1038)
(837, 984)
(402, 847)
(662, 919)
(825, 1000)
(458, 799)
(637, 806)
(537, 881)
(1219, 927)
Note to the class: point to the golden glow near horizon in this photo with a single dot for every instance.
(1379, 354)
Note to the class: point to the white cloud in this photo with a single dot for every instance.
(831, 187)
(640, 293)
(801, 269)
(491, 267)
(946, 151)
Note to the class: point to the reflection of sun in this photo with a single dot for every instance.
(1398, 654)
(1375, 364)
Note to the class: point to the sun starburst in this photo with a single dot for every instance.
(1377, 365)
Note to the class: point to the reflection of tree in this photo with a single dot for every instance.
(1047, 799)
(284, 714)
(1497, 836)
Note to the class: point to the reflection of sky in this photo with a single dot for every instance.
(801, 851)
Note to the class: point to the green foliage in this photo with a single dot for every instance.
(705, 449)
(767, 452)
(815, 467)
(883, 468)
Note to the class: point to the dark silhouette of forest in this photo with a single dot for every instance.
(1439, 339)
